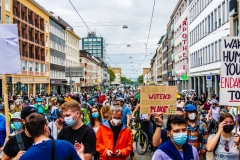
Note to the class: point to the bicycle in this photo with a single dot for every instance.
(140, 137)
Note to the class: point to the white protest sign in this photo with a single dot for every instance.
(9, 49)
(230, 72)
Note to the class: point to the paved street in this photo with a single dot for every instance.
(146, 156)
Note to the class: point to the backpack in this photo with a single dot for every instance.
(20, 142)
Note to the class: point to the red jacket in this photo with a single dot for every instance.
(105, 141)
(102, 99)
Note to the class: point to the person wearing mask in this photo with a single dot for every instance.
(17, 123)
(89, 100)
(213, 116)
(117, 144)
(43, 147)
(107, 102)
(206, 106)
(126, 112)
(55, 126)
(84, 104)
(197, 132)
(76, 130)
(224, 143)
(106, 113)
(176, 147)
(95, 119)
(202, 100)
(12, 149)
(97, 102)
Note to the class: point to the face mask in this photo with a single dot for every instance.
(84, 102)
(228, 128)
(192, 116)
(116, 121)
(95, 115)
(39, 103)
(70, 121)
(17, 125)
(180, 138)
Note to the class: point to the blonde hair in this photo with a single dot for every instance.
(106, 110)
(72, 104)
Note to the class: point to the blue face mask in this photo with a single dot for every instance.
(70, 121)
(17, 125)
(84, 102)
(95, 115)
(180, 138)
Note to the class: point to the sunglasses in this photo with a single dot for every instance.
(226, 146)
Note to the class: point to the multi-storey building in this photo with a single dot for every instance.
(96, 46)
(164, 62)
(33, 28)
(57, 55)
(117, 72)
(72, 55)
(208, 23)
(159, 61)
(234, 17)
(153, 64)
(180, 50)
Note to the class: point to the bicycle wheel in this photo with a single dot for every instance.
(141, 142)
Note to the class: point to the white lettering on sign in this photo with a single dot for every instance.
(230, 71)
(184, 39)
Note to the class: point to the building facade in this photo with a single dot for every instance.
(96, 46)
(72, 56)
(208, 23)
(164, 62)
(57, 56)
(33, 29)
(118, 73)
(180, 21)
(234, 17)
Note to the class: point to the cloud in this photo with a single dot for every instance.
(136, 14)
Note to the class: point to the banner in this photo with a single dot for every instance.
(230, 72)
(154, 99)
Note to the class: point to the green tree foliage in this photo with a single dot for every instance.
(112, 75)
(125, 80)
(140, 79)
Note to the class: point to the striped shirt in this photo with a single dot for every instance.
(193, 138)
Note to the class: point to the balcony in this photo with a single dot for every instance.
(24, 35)
(30, 21)
(30, 37)
(38, 57)
(31, 55)
(37, 41)
(41, 43)
(16, 13)
(24, 53)
(24, 17)
(43, 58)
(36, 25)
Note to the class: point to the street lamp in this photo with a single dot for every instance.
(125, 27)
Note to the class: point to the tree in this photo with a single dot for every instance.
(125, 80)
(140, 79)
(112, 75)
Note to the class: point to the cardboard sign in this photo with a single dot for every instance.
(230, 72)
(155, 99)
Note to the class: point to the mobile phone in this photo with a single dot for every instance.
(114, 154)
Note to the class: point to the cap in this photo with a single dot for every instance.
(38, 99)
(27, 111)
(190, 107)
(120, 99)
(16, 115)
(96, 97)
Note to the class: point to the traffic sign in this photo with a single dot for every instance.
(209, 77)
(178, 79)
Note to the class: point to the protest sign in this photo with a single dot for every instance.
(230, 72)
(155, 99)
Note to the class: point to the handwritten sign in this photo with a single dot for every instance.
(154, 99)
(230, 72)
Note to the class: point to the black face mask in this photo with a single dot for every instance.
(228, 128)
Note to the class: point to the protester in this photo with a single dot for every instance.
(95, 119)
(117, 144)
(15, 148)
(106, 112)
(176, 148)
(43, 147)
(126, 112)
(17, 106)
(17, 123)
(56, 126)
(213, 116)
(77, 131)
(224, 143)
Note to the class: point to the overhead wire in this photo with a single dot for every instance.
(80, 16)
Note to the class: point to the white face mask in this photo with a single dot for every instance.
(39, 103)
(192, 116)
(116, 121)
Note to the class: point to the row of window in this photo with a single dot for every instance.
(32, 66)
(57, 46)
(92, 39)
(57, 74)
(92, 47)
(91, 51)
(57, 60)
(92, 43)
(180, 11)
(215, 19)
(57, 32)
(206, 55)
(72, 40)
(71, 63)
(72, 52)
(197, 8)
(179, 64)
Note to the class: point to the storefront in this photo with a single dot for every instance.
(59, 86)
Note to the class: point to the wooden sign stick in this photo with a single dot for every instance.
(6, 109)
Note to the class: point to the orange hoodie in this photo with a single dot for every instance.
(105, 141)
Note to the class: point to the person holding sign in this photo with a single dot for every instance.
(224, 143)
(176, 148)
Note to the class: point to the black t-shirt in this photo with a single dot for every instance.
(11, 148)
(116, 130)
(84, 135)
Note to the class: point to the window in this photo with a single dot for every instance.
(209, 53)
(212, 52)
(206, 31)
(46, 41)
(209, 24)
(24, 65)
(37, 67)
(212, 22)
(203, 54)
(223, 12)
(215, 19)
(216, 52)
(8, 5)
(7, 19)
(219, 49)
(42, 67)
(219, 16)
(235, 27)
(0, 10)
(31, 66)
(46, 26)
(227, 2)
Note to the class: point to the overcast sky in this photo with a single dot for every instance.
(107, 17)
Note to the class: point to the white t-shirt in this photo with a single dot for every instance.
(54, 131)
